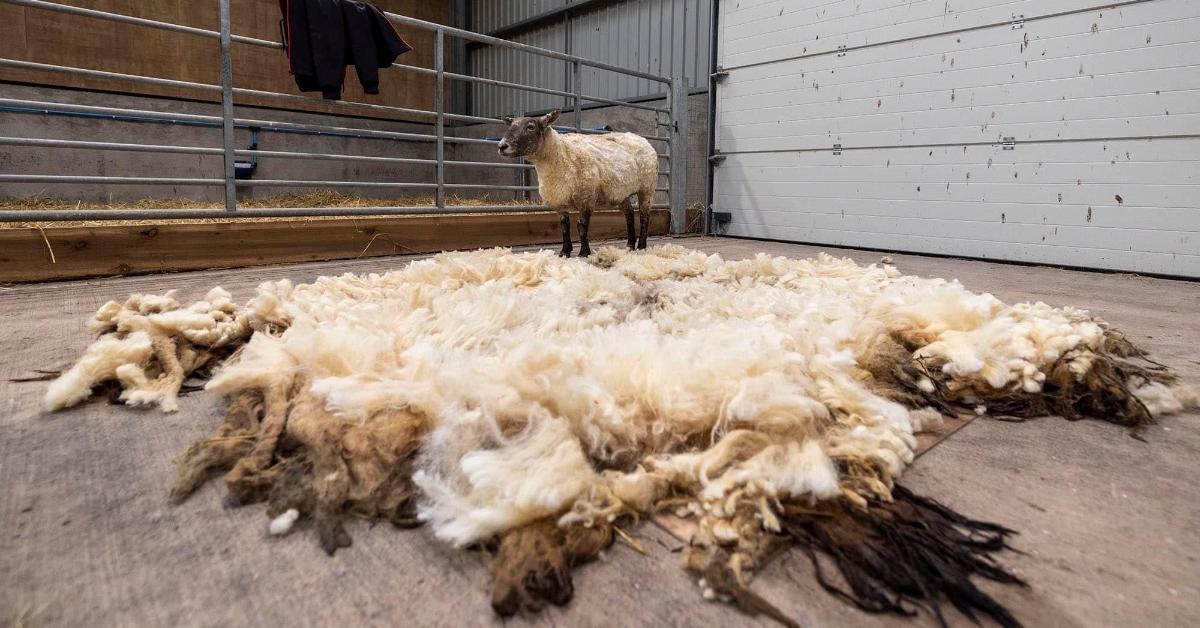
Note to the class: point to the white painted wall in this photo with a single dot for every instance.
(1102, 104)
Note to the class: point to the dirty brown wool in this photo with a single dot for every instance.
(528, 404)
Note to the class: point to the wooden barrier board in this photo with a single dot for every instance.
(96, 251)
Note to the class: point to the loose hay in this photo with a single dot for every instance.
(526, 403)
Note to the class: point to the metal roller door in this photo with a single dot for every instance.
(1050, 131)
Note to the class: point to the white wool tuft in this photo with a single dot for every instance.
(282, 524)
(925, 420)
(101, 362)
(1161, 399)
(512, 482)
(150, 344)
(589, 389)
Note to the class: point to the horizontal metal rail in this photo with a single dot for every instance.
(152, 80)
(464, 34)
(64, 215)
(51, 107)
(265, 125)
(301, 183)
(63, 178)
(200, 150)
(138, 148)
(111, 180)
(67, 215)
(529, 88)
(237, 91)
(282, 154)
(488, 164)
(504, 43)
(129, 19)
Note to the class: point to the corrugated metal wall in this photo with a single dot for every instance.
(490, 15)
(665, 37)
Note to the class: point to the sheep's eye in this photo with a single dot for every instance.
(530, 127)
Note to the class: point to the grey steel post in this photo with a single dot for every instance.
(439, 106)
(679, 149)
(577, 90)
(227, 106)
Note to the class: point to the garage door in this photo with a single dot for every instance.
(1049, 131)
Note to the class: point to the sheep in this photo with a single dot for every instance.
(581, 173)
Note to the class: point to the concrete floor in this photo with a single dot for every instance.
(1110, 526)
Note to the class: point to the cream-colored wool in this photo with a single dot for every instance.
(149, 344)
(590, 389)
(578, 171)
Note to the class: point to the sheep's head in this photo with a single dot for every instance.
(525, 135)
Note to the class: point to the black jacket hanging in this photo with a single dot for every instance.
(322, 37)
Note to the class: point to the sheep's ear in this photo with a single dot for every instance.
(507, 119)
(549, 118)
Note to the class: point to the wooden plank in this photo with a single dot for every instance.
(79, 41)
(135, 249)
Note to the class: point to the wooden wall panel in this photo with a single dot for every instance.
(52, 37)
(117, 249)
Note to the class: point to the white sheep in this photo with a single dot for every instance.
(582, 173)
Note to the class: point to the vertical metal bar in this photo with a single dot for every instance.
(577, 89)
(439, 62)
(679, 150)
(710, 166)
(227, 106)
(460, 11)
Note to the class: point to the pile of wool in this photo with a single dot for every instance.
(527, 402)
(149, 344)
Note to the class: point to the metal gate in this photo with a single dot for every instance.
(672, 145)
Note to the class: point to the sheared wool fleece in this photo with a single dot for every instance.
(494, 390)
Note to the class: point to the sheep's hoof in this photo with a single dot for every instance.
(564, 253)
(642, 245)
(632, 245)
(585, 251)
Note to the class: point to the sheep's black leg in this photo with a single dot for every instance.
(644, 201)
(631, 241)
(564, 219)
(585, 220)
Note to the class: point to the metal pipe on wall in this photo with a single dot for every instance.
(678, 148)
(227, 106)
(711, 152)
(61, 215)
(439, 95)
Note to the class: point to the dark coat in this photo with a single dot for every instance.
(322, 37)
